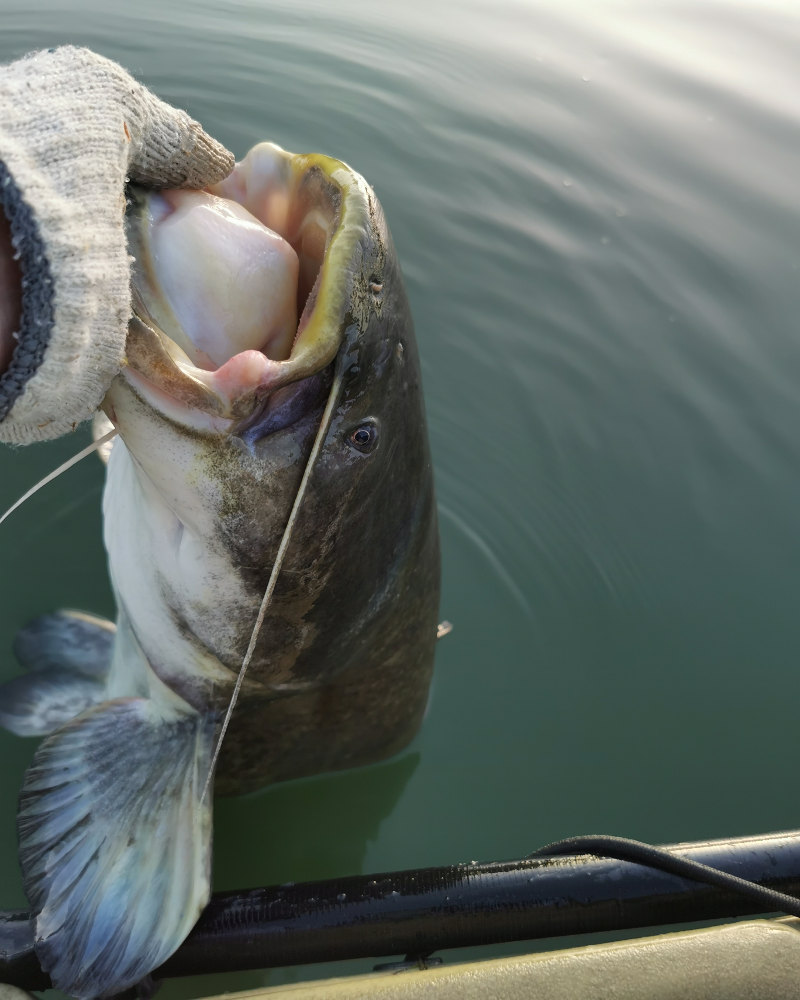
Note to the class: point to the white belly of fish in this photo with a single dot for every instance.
(176, 590)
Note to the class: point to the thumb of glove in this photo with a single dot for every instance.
(168, 148)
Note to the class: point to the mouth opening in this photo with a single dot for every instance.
(241, 289)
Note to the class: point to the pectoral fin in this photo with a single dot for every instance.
(38, 704)
(115, 842)
(66, 640)
(68, 655)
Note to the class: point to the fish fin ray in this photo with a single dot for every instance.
(99, 818)
(66, 640)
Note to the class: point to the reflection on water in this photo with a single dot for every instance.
(595, 205)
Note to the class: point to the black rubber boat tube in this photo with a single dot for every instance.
(418, 912)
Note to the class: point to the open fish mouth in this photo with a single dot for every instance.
(243, 289)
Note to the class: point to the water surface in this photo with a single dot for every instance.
(596, 209)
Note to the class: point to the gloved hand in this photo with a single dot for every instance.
(74, 127)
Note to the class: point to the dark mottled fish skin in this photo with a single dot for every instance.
(342, 667)
(349, 642)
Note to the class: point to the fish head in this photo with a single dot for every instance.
(265, 309)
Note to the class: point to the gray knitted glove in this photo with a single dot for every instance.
(74, 127)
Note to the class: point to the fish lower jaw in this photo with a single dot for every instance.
(174, 406)
(203, 400)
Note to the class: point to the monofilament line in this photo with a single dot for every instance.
(276, 568)
(57, 472)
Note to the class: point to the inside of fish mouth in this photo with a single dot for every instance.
(229, 278)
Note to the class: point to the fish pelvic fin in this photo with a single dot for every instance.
(68, 655)
(115, 842)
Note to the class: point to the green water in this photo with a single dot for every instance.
(596, 208)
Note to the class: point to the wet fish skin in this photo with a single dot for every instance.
(351, 671)
(341, 670)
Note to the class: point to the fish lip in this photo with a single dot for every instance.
(158, 370)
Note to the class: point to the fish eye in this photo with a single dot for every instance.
(364, 437)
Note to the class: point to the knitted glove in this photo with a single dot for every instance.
(74, 128)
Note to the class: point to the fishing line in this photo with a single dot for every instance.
(661, 859)
(276, 568)
(57, 472)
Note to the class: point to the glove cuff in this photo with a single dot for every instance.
(75, 305)
(36, 321)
